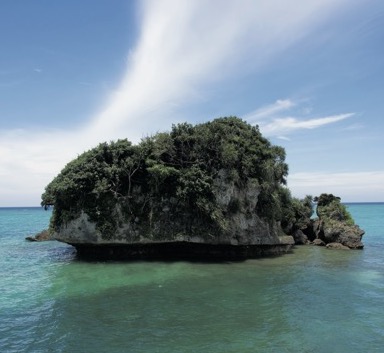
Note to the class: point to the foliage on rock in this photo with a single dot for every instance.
(296, 213)
(178, 169)
(335, 224)
(331, 210)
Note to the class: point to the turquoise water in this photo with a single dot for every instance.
(312, 300)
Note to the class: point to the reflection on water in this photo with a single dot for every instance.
(312, 300)
(308, 301)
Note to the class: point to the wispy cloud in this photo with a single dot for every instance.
(285, 138)
(279, 106)
(30, 159)
(183, 48)
(274, 120)
(287, 125)
(186, 45)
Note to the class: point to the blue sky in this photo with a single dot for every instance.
(310, 73)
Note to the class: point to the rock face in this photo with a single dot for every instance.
(299, 237)
(337, 246)
(44, 235)
(334, 225)
(318, 242)
(349, 236)
(172, 231)
(336, 232)
(208, 191)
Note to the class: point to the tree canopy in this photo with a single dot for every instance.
(180, 164)
(330, 208)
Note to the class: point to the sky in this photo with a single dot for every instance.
(309, 73)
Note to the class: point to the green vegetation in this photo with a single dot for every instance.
(296, 212)
(178, 168)
(217, 181)
(331, 210)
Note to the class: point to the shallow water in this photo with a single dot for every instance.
(312, 300)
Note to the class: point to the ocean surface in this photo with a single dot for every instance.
(311, 300)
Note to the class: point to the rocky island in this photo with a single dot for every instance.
(209, 191)
(334, 226)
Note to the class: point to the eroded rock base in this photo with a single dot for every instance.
(177, 251)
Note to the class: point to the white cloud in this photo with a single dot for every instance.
(272, 121)
(187, 45)
(350, 186)
(279, 106)
(285, 138)
(28, 161)
(289, 124)
(184, 46)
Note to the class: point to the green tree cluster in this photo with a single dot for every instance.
(330, 209)
(181, 165)
(296, 212)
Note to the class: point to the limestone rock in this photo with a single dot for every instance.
(41, 236)
(299, 237)
(172, 230)
(243, 226)
(335, 224)
(318, 242)
(337, 246)
(349, 236)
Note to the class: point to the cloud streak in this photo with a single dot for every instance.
(287, 125)
(266, 112)
(272, 121)
(184, 48)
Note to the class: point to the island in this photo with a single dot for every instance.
(209, 191)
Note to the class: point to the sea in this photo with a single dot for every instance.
(310, 300)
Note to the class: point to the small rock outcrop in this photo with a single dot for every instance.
(347, 235)
(334, 225)
(300, 238)
(337, 246)
(318, 242)
(44, 235)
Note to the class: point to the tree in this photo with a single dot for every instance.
(181, 165)
(330, 208)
